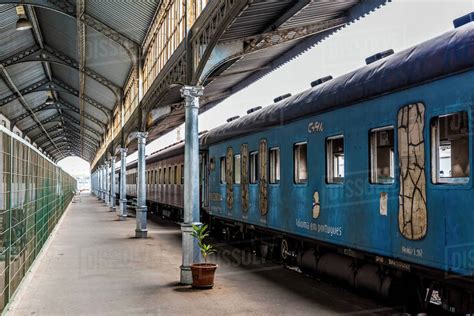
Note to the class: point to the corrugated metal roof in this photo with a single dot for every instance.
(89, 109)
(25, 74)
(38, 131)
(237, 77)
(59, 31)
(131, 18)
(9, 39)
(255, 18)
(4, 90)
(106, 57)
(100, 93)
(66, 74)
(15, 108)
(317, 11)
(11, 109)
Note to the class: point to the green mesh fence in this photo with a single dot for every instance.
(34, 194)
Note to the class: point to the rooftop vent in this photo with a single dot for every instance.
(465, 19)
(378, 56)
(282, 97)
(255, 109)
(233, 118)
(320, 80)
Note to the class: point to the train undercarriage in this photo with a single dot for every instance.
(405, 286)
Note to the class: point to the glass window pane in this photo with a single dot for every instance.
(450, 148)
(382, 164)
(300, 157)
(254, 167)
(274, 165)
(335, 159)
(222, 168)
(237, 169)
(176, 175)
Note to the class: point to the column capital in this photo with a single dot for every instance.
(123, 150)
(191, 94)
(142, 135)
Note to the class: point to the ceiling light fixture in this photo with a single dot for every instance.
(23, 23)
(49, 100)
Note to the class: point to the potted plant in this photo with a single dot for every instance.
(203, 273)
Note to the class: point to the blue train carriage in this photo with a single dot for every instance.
(376, 162)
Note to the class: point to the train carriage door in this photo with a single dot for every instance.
(383, 199)
(263, 183)
(412, 211)
(229, 177)
(244, 150)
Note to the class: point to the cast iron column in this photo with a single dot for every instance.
(106, 176)
(103, 183)
(141, 231)
(100, 183)
(93, 183)
(191, 251)
(123, 184)
(112, 184)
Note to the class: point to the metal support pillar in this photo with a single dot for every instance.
(112, 184)
(99, 172)
(190, 248)
(107, 184)
(123, 184)
(104, 183)
(94, 183)
(141, 230)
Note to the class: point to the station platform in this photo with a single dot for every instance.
(93, 265)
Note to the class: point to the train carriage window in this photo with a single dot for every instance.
(450, 148)
(382, 156)
(176, 175)
(254, 167)
(156, 176)
(222, 169)
(301, 163)
(274, 165)
(182, 174)
(159, 176)
(335, 159)
(237, 166)
(170, 175)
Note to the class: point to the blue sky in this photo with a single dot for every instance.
(398, 25)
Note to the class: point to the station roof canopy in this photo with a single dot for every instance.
(64, 64)
(41, 81)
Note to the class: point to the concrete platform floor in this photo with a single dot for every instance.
(94, 266)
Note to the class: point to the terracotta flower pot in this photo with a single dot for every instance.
(203, 274)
